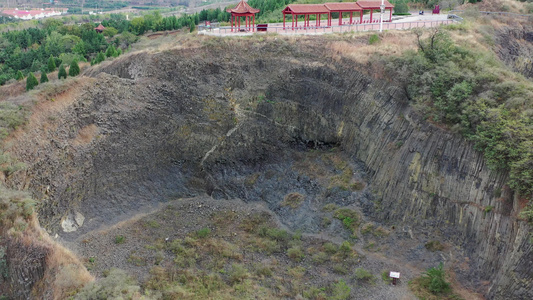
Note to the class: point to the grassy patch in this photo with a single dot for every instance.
(152, 224)
(11, 117)
(432, 285)
(363, 275)
(434, 246)
(203, 233)
(120, 239)
(293, 200)
(295, 253)
(349, 218)
(330, 207)
(385, 276)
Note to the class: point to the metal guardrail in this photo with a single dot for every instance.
(289, 30)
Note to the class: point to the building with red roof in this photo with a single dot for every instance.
(342, 7)
(375, 4)
(242, 9)
(31, 14)
(306, 10)
(333, 7)
(100, 28)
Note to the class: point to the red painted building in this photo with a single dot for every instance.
(243, 10)
(318, 10)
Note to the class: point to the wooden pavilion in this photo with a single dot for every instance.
(373, 5)
(100, 28)
(345, 7)
(242, 9)
(306, 10)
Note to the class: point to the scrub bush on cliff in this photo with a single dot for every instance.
(473, 93)
(31, 82)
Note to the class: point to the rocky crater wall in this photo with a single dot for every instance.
(181, 122)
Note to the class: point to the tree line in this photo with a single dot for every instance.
(28, 50)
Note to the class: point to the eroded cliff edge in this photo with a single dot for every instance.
(188, 121)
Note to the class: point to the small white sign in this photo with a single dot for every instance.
(394, 274)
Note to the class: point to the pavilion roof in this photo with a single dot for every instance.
(242, 8)
(343, 6)
(306, 9)
(373, 4)
(100, 27)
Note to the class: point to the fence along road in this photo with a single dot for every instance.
(312, 30)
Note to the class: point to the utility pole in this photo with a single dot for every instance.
(381, 8)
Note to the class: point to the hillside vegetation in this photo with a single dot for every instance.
(473, 93)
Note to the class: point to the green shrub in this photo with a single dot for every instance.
(434, 246)
(51, 64)
(330, 207)
(263, 270)
(349, 218)
(326, 222)
(19, 76)
(237, 273)
(44, 77)
(315, 293)
(340, 269)
(341, 291)
(400, 7)
(152, 224)
(345, 249)
(330, 248)
(203, 233)
(374, 38)
(31, 82)
(120, 239)
(98, 59)
(432, 281)
(74, 68)
(111, 51)
(385, 276)
(275, 234)
(295, 253)
(320, 258)
(363, 275)
(62, 72)
(116, 285)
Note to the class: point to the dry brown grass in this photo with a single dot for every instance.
(64, 274)
(12, 90)
(392, 43)
(52, 98)
(293, 200)
(497, 5)
(86, 135)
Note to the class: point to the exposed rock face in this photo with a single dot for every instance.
(515, 47)
(182, 123)
(26, 266)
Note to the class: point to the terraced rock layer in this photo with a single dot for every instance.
(181, 123)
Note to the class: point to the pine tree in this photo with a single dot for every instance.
(51, 64)
(100, 57)
(192, 26)
(19, 76)
(111, 51)
(62, 72)
(74, 68)
(44, 78)
(31, 82)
